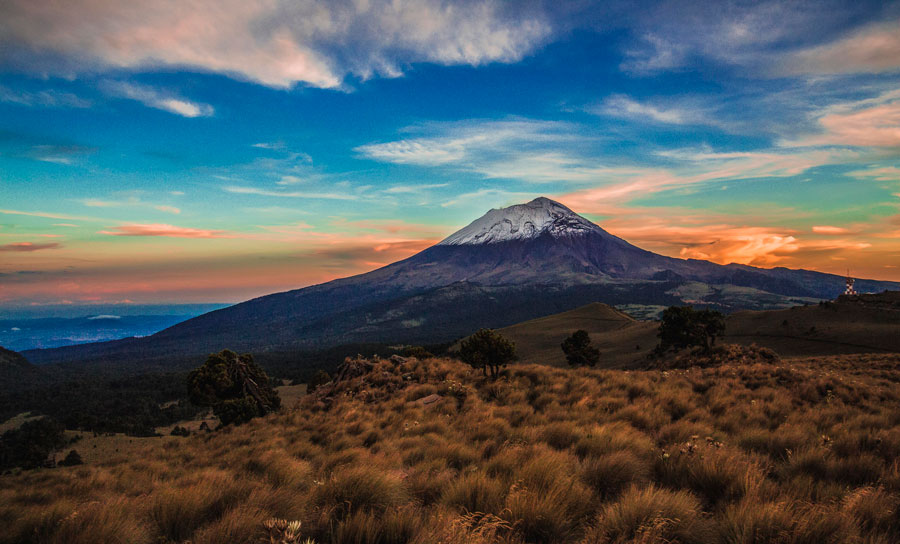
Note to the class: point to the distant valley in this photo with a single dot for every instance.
(52, 332)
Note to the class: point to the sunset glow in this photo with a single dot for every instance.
(217, 151)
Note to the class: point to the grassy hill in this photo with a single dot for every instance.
(623, 341)
(864, 324)
(804, 450)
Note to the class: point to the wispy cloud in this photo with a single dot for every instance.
(47, 98)
(551, 152)
(50, 215)
(872, 122)
(885, 173)
(525, 149)
(288, 194)
(874, 48)
(128, 202)
(57, 154)
(160, 229)
(407, 189)
(29, 246)
(276, 43)
(156, 98)
(272, 146)
(626, 107)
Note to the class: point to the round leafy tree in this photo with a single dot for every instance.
(234, 386)
(579, 351)
(487, 349)
(683, 327)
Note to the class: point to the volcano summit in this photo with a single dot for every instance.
(512, 264)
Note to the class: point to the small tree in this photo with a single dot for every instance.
(579, 351)
(30, 445)
(234, 386)
(319, 378)
(487, 349)
(72, 459)
(684, 327)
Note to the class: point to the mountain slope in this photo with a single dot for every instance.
(513, 264)
(864, 324)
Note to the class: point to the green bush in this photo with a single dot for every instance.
(234, 386)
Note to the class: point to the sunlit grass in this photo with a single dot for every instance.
(788, 452)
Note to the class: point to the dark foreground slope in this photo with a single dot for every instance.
(455, 287)
(800, 452)
(15, 368)
(862, 324)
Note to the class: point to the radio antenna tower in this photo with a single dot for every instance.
(850, 281)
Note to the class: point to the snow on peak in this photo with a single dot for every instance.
(522, 222)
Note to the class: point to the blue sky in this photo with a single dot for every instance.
(214, 151)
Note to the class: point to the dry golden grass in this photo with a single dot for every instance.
(805, 450)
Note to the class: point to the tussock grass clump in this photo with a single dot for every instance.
(178, 512)
(357, 489)
(716, 474)
(789, 452)
(552, 514)
(650, 514)
(476, 493)
(610, 474)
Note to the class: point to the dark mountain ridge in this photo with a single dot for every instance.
(512, 264)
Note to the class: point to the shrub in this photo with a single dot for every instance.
(72, 459)
(579, 351)
(318, 379)
(234, 386)
(31, 444)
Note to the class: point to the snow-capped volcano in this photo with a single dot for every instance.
(512, 264)
(522, 222)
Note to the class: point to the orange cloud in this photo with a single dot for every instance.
(28, 246)
(827, 229)
(160, 229)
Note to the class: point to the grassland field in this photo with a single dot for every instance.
(802, 450)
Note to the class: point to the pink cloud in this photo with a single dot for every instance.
(878, 126)
(888, 173)
(159, 229)
(28, 246)
(873, 122)
(873, 49)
